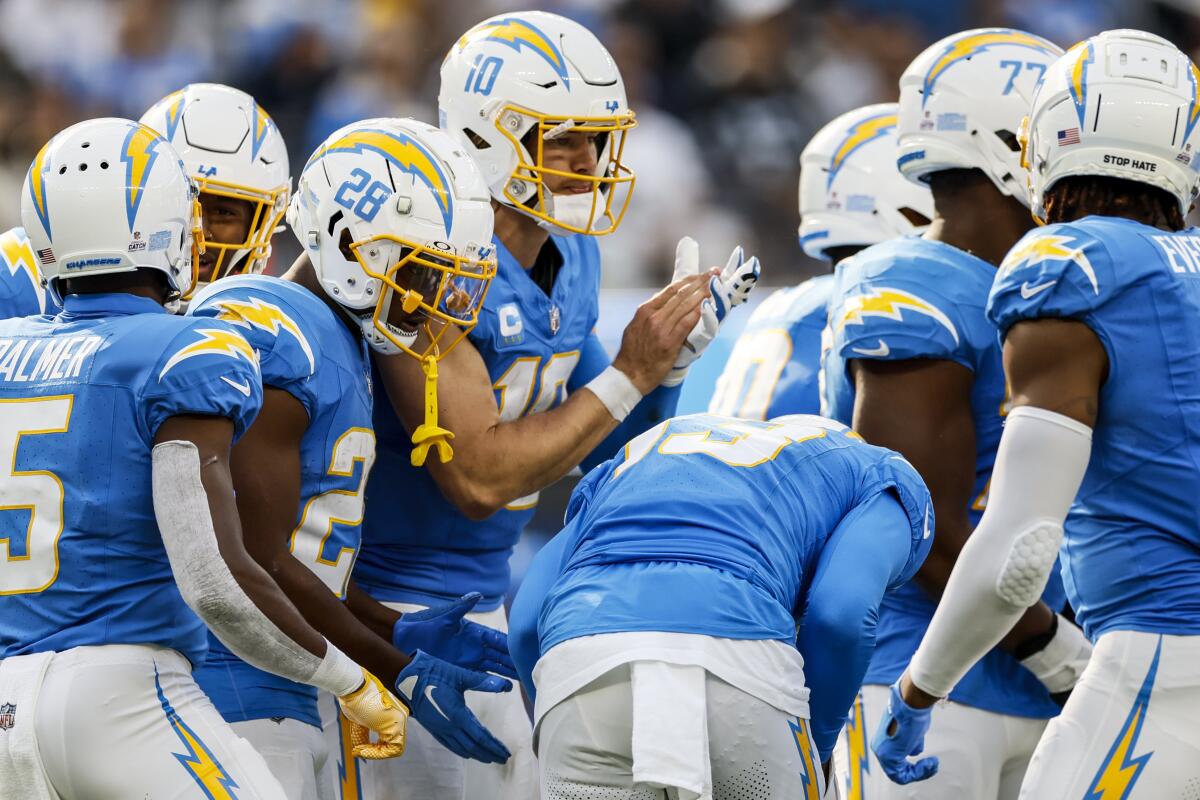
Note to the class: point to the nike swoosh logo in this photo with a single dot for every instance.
(882, 351)
(429, 697)
(241, 387)
(1028, 291)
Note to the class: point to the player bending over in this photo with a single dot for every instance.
(659, 627)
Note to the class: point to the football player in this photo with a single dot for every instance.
(915, 366)
(1100, 311)
(238, 159)
(537, 101)
(21, 290)
(663, 619)
(314, 435)
(851, 196)
(119, 511)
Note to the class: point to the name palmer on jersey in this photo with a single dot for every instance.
(46, 360)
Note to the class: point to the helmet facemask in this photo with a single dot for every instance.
(267, 208)
(593, 213)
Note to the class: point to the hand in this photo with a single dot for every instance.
(371, 707)
(443, 632)
(434, 691)
(729, 289)
(653, 337)
(1062, 657)
(901, 733)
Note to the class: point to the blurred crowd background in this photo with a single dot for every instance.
(727, 92)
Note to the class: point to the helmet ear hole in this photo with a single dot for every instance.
(344, 242)
(475, 139)
(1010, 139)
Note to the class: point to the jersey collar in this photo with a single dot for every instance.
(109, 304)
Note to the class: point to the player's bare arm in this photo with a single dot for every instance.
(922, 409)
(496, 462)
(266, 477)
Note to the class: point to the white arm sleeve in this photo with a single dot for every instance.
(1005, 563)
(209, 588)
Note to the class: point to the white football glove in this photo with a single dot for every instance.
(1061, 662)
(729, 289)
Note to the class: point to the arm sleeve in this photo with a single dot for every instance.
(654, 408)
(866, 553)
(1007, 560)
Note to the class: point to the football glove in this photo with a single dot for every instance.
(729, 289)
(372, 707)
(901, 733)
(1060, 658)
(443, 632)
(434, 691)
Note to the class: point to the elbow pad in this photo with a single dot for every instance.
(1027, 567)
(209, 588)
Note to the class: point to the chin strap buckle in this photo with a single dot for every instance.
(428, 434)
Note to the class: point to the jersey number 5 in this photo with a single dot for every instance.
(31, 556)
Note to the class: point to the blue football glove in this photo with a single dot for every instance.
(907, 738)
(434, 691)
(443, 632)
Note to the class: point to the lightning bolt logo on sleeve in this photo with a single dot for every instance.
(37, 185)
(1083, 56)
(215, 342)
(888, 303)
(862, 132)
(138, 154)
(1048, 247)
(18, 255)
(255, 313)
(516, 33)
(1120, 769)
(205, 769)
(404, 153)
(974, 43)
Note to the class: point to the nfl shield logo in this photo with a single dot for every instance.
(8, 716)
(555, 319)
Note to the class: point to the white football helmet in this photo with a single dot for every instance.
(517, 80)
(393, 210)
(851, 192)
(111, 195)
(1123, 104)
(962, 102)
(231, 149)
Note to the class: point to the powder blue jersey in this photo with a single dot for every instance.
(918, 299)
(1131, 553)
(308, 352)
(774, 368)
(21, 292)
(419, 548)
(730, 515)
(83, 396)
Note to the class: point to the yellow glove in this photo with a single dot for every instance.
(372, 707)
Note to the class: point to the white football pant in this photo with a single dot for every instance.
(295, 752)
(755, 751)
(1131, 729)
(125, 721)
(982, 755)
(428, 771)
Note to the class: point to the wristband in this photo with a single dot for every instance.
(614, 389)
(337, 673)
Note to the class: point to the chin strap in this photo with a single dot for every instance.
(428, 434)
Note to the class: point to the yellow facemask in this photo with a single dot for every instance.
(267, 209)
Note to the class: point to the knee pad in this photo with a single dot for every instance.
(1028, 564)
